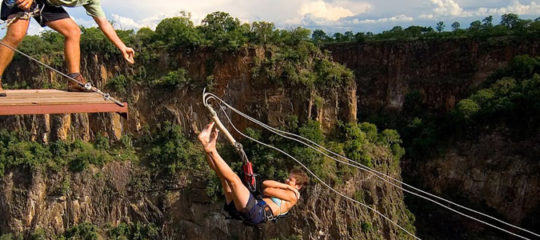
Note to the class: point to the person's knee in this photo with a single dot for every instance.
(72, 33)
(234, 183)
(14, 37)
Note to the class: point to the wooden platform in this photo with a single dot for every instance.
(48, 101)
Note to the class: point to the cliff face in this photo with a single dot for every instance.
(493, 172)
(123, 192)
(498, 171)
(232, 81)
(443, 71)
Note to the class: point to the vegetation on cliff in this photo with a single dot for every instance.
(510, 25)
(88, 231)
(289, 59)
(18, 150)
(509, 99)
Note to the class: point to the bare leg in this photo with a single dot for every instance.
(14, 36)
(239, 193)
(72, 49)
(226, 188)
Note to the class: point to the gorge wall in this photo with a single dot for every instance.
(494, 171)
(443, 71)
(126, 192)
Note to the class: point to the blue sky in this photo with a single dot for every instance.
(329, 15)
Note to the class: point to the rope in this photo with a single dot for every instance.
(24, 15)
(319, 179)
(377, 174)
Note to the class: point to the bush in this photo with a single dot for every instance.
(84, 231)
(467, 108)
(176, 32)
(137, 231)
(17, 150)
(174, 79)
(223, 32)
(119, 84)
(170, 151)
(366, 227)
(84, 154)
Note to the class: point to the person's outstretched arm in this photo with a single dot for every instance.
(274, 184)
(109, 31)
(283, 194)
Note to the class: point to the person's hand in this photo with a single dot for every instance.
(129, 54)
(24, 4)
(208, 138)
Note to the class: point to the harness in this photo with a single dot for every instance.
(34, 12)
(249, 178)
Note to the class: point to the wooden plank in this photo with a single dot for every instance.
(49, 101)
(48, 96)
(62, 109)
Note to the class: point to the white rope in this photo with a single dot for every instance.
(377, 174)
(318, 179)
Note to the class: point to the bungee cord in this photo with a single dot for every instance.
(382, 176)
(319, 179)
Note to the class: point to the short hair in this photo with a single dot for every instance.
(301, 177)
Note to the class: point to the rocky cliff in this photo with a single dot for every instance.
(494, 172)
(443, 71)
(53, 202)
(122, 192)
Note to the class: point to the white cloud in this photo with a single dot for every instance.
(445, 8)
(332, 15)
(325, 14)
(320, 9)
(400, 18)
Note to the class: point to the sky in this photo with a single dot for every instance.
(329, 15)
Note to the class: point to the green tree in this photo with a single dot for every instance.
(145, 35)
(510, 20)
(359, 37)
(224, 32)
(295, 36)
(440, 26)
(86, 231)
(487, 22)
(339, 37)
(355, 145)
(262, 32)
(455, 26)
(168, 150)
(178, 32)
(467, 108)
(349, 36)
(319, 36)
(475, 25)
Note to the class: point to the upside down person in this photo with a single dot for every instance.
(278, 199)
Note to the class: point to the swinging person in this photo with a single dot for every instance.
(278, 198)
